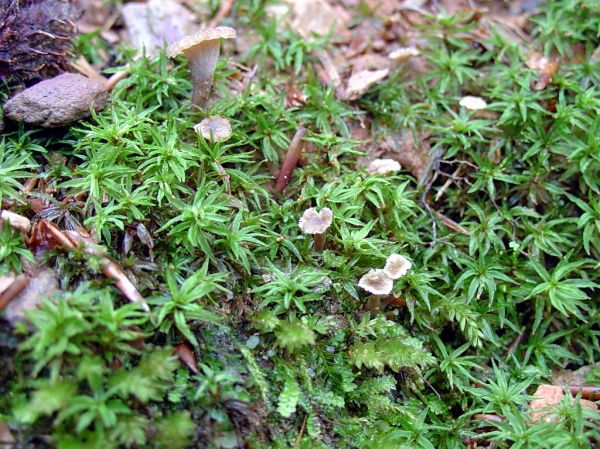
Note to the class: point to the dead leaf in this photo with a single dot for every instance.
(370, 61)
(359, 83)
(186, 355)
(150, 25)
(411, 151)
(318, 17)
(545, 66)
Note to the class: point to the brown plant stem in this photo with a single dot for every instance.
(290, 161)
(114, 79)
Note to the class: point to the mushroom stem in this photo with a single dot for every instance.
(203, 59)
(319, 240)
(290, 161)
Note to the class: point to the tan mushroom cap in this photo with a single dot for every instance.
(396, 266)
(376, 282)
(214, 129)
(207, 34)
(313, 222)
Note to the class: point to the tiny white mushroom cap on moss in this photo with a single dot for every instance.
(473, 103)
(383, 166)
(376, 282)
(396, 266)
(313, 222)
(214, 129)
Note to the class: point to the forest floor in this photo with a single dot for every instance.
(162, 289)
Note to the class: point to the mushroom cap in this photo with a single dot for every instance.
(376, 282)
(383, 166)
(396, 266)
(206, 34)
(313, 222)
(214, 129)
(473, 103)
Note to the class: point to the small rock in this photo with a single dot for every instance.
(57, 101)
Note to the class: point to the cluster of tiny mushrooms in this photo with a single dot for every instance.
(202, 52)
(377, 281)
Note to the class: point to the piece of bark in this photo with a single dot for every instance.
(57, 102)
(42, 284)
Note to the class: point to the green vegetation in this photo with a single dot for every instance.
(289, 351)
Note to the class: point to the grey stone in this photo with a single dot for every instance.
(57, 101)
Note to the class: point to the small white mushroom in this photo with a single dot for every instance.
(376, 282)
(383, 166)
(396, 266)
(404, 54)
(214, 129)
(473, 103)
(316, 223)
(202, 52)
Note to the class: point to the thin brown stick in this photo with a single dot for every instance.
(299, 437)
(290, 161)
